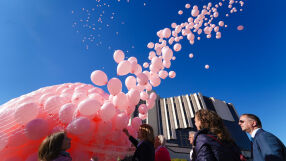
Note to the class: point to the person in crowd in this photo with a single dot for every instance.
(191, 139)
(265, 146)
(54, 147)
(161, 152)
(145, 146)
(212, 142)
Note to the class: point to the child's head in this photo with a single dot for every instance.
(53, 145)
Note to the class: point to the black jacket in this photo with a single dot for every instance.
(144, 152)
(209, 148)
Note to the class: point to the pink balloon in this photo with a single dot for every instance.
(53, 104)
(26, 112)
(150, 103)
(221, 23)
(136, 122)
(148, 87)
(143, 109)
(66, 113)
(177, 47)
(163, 74)
(191, 55)
(17, 138)
(142, 79)
(167, 63)
(98, 77)
(118, 56)
(150, 45)
(155, 81)
(187, 6)
(78, 97)
(124, 67)
(143, 116)
(145, 65)
(240, 27)
(79, 126)
(166, 33)
(37, 129)
(3, 140)
(104, 128)
(89, 107)
(153, 96)
(97, 97)
(120, 121)
(134, 96)
(121, 101)
(132, 59)
(114, 86)
(144, 95)
(167, 53)
(180, 12)
(107, 111)
(138, 69)
(172, 74)
(207, 66)
(130, 82)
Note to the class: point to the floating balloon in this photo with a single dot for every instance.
(207, 66)
(240, 27)
(123, 68)
(98, 77)
(118, 56)
(114, 86)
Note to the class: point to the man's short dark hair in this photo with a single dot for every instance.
(255, 118)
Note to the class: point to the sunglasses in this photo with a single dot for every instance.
(241, 121)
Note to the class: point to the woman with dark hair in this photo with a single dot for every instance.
(54, 147)
(145, 148)
(212, 142)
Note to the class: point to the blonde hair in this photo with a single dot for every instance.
(147, 132)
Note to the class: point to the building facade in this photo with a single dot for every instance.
(174, 117)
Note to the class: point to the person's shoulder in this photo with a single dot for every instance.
(262, 133)
(63, 158)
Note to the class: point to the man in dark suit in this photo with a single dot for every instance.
(266, 146)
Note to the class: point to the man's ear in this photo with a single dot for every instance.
(254, 123)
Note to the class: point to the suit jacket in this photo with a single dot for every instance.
(144, 152)
(267, 147)
(162, 154)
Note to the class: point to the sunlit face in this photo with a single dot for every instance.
(246, 124)
(139, 135)
(198, 123)
(66, 143)
(191, 138)
(157, 142)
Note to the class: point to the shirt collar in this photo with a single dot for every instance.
(254, 132)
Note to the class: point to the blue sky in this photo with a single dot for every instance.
(40, 47)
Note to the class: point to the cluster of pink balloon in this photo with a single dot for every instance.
(90, 116)
(93, 118)
(199, 22)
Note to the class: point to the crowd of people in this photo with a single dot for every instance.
(212, 142)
